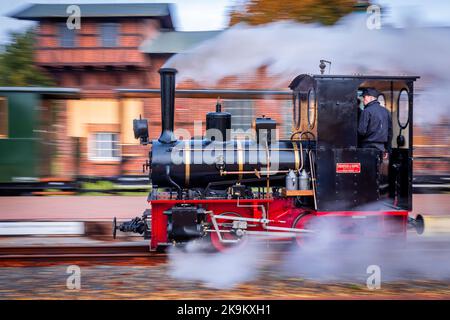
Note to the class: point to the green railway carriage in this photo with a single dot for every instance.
(26, 148)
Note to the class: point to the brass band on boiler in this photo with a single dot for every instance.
(187, 163)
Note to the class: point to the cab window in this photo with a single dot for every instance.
(312, 106)
(382, 100)
(403, 109)
(297, 111)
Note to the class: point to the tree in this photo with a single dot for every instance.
(326, 12)
(16, 63)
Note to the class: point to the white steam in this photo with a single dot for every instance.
(325, 257)
(288, 49)
(221, 270)
(328, 257)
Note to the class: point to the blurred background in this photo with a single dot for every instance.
(68, 95)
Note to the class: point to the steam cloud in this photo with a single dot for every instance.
(220, 270)
(328, 258)
(288, 49)
(323, 258)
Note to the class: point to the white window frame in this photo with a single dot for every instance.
(93, 150)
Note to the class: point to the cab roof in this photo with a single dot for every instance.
(361, 77)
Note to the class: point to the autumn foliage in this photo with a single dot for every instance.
(327, 12)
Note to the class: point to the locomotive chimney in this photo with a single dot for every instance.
(167, 104)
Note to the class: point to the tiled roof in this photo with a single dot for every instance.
(97, 10)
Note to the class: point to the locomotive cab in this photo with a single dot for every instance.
(348, 176)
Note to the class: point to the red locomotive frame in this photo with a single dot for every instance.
(281, 213)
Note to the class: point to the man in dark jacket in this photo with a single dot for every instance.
(375, 124)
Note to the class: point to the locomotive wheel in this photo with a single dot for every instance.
(302, 222)
(225, 225)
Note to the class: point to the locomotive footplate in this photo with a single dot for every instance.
(185, 222)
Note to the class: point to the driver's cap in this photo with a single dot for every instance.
(370, 92)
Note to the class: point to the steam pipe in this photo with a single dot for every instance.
(173, 183)
(167, 104)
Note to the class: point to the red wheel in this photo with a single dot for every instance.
(225, 224)
(303, 221)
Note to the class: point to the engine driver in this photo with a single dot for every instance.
(375, 124)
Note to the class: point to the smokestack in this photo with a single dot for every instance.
(167, 104)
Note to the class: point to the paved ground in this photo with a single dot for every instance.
(71, 207)
(105, 207)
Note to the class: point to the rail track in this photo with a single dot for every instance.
(93, 254)
(138, 253)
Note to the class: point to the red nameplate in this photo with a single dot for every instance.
(348, 167)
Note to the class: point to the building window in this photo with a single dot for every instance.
(104, 146)
(109, 34)
(241, 116)
(66, 36)
(3, 117)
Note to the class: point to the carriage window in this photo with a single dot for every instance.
(403, 109)
(3, 117)
(382, 100)
(297, 112)
(312, 108)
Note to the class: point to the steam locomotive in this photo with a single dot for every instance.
(223, 189)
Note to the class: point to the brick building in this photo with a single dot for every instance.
(120, 47)
(114, 59)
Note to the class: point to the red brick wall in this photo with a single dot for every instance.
(87, 51)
